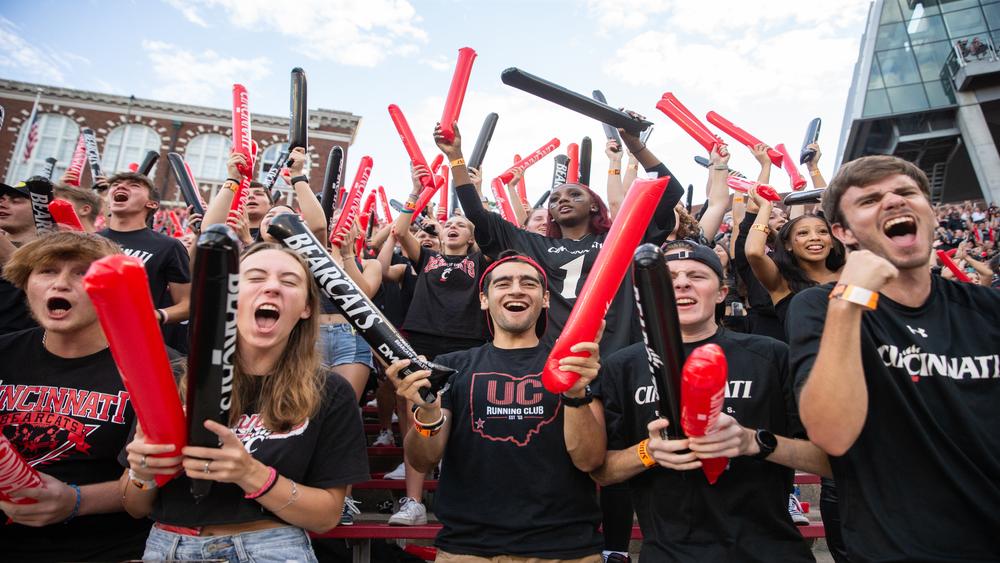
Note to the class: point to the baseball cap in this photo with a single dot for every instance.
(21, 190)
(690, 250)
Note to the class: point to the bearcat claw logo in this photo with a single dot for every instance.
(505, 408)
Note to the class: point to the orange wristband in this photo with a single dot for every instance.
(643, 452)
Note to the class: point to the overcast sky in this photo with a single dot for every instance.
(769, 66)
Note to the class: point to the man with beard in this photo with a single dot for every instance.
(900, 379)
(66, 410)
(496, 424)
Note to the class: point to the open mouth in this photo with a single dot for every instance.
(564, 209)
(515, 306)
(452, 234)
(58, 307)
(427, 244)
(816, 247)
(266, 316)
(685, 301)
(902, 230)
(119, 196)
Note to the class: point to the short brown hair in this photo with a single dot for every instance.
(60, 246)
(80, 196)
(154, 194)
(866, 171)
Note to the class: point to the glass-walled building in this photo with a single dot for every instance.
(926, 87)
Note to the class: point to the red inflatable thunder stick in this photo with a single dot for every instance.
(240, 197)
(241, 127)
(744, 185)
(703, 390)
(365, 218)
(352, 206)
(951, 265)
(427, 194)
(741, 135)
(75, 169)
(522, 191)
(499, 183)
(16, 474)
(456, 93)
(178, 229)
(796, 179)
(573, 174)
(606, 275)
(63, 213)
(119, 289)
(386, 209)
(436, 163)
(503, 202)
(682, 116)
(410, 144)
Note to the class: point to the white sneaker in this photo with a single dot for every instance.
(395, 418)
(385, 438)
(410, 513)
(397, 474)
(795, 511)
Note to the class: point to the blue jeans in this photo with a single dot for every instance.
(339, 345)
(276, 545)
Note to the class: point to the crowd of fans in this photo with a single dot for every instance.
(488, 298)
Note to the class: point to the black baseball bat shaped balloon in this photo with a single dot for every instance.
(540, 204)
(331, 181)
(804, 197)
(610, 132)
(50, 168)
(364, 316)
(186, 182)
(586, 153)
(654, 291)
(274, 172)
(298, 115)
(93, 156)
(148, 162)
(571, 100)
(215, 286)
(560, 169)
(40, 190)
(812, 135)
(483, 141)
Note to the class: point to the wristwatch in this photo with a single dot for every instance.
(574, 402)
(766, 441)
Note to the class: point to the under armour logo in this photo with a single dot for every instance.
(919, 331)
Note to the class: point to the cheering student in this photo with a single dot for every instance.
(805, 254)
(898, 377)
(72, 416)
(536, 221)
(258, 204)
(576, 230)
(131, 199)
(495, 424)
(86, 203)
(744, 515)
(17, 227)
(293, 442)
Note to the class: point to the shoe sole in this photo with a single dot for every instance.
(391, 523)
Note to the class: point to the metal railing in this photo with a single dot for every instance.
(965, 51)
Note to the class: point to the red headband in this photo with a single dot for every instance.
(519, 258)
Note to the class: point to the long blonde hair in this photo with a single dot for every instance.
(294, 390)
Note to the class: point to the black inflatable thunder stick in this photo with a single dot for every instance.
(654, 292)
(350, 301)
(215, 287)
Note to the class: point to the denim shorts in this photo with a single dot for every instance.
(340, 345)
(276, 545)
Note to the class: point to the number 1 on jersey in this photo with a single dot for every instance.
(574, 270)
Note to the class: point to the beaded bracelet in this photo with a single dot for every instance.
(272, 478)
(76, 507)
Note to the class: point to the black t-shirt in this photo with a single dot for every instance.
(446, 299)
(568, 262)
(165, 258)
(69, 418)
(327, 450)
(763, 319)
(744, 515)
(14, 313)
(921, 481)
(508, 486)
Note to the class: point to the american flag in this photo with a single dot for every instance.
(33, 132)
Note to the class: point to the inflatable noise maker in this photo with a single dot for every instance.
(64, 215)
(15, 474)
(741, 135)
(298, 114)
(573, 101)
(215, 288)
(274, 172)
(573, 173)
(560, 171)
(148, 162)
(410, 144)
(456, 92)
(364, 316)
(75, 168)
(118, 287)
(242, 138)
(812, 136)
(40, 190)
(50, 168)
(661, 329)
(186, 183)
(947, 262)
(796, 179)
(331, 180)
(522, 189)
(352, 206)
(586, 152)
(243, 190)
(483, 141)
(93, 157)
(499, 183)
(610, 132)
(743, 185)
(703, 391)
(384, 202)
(682, 116)
(606, 275)
(804, 197)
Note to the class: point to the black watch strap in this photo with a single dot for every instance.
(575, 402)
(766, 441)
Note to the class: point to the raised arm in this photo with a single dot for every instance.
(520, 213)
(764, 268)
(401, 227)
(663, 222)
(813, 166)
(616, 188)
(718, 192)
(218, 208)
(760, 153)
(309, 205)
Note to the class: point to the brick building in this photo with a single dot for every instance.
(127, 127)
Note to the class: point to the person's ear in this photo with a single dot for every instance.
(484, 303)
(844, 234)
(723, 292)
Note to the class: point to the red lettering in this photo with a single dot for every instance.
(121, 402)
(508, 393)
(10, 396)
(22, 399)
(526, 386)
(89, 408)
